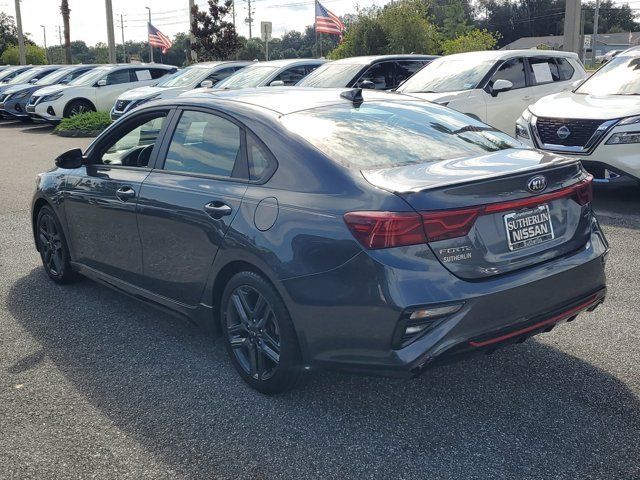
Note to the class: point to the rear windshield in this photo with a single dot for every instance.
(392, 134)
(331, 76)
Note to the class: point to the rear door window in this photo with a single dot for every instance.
(204, 143)
(221, 74)
(292, 75)
(261, 162)
(119, 76)
(543, 70)
(159, 72)
(513, 71)
(406, 68)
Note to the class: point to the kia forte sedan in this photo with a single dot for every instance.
(326, 228)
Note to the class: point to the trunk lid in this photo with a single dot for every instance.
(497, 213)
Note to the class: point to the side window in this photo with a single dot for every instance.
(565, 68)
(381, 74)
(512, 70)
(543, 70)
(292, 75)
(406, 68)
(159, 72)
(204, 143)
(260, 160)
(73, 75)
(43, 73)
(134, 145)
(140, 74)
(221, 74)
(119, 76)
(310, 68)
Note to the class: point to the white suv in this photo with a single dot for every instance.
(206, 74)
(495, 86)
(598, 122)
(95, 90)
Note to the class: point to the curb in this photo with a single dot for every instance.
(79, 133)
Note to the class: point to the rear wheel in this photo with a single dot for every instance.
(52, 246)
(259, 335)
(78, 106)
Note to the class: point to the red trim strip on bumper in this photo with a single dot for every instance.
(549, 321)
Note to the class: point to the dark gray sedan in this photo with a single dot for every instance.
(320, 228)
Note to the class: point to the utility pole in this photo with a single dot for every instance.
(571, 41)
(595, 33)
(111, 38)
(150, 46)
(60, 34)
(124, 47)
(192, 38)
(44, 34)
(249, 19)
(23, 55)
(64, 9)
(233, 11)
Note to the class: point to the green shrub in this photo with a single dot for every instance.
(89, 123)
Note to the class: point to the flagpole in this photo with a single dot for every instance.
(315, 24)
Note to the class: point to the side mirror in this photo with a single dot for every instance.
(102, 82)
(206, 84)
(34, 80)
(277, 83)
(70, 159)
(501, 85)
(367, 84)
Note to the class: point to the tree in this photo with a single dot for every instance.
(8, 32)
(472, 41)
(253, 49)
(454, 23)
(408, 29)
(64, 9)
(215, 38)
(35, 55)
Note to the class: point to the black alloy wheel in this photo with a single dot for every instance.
(52, 247)
(259, 334)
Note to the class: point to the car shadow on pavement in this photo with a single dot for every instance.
(38, 129)
(528, 411)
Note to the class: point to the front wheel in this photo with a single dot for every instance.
(78, 106)
(259, 335)
(53, 248)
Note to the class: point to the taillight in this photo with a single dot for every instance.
(395, 229)
(385, 229)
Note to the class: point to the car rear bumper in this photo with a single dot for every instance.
(348, 318)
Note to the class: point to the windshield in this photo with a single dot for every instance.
(25, 76)
(448, 75)
(55, 77)
(248, 77)
(184, 78)
(393, 134)
(91, 76)
(7, 74)
(331, 76)
(621, 76)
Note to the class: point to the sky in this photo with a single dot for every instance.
(88, 17)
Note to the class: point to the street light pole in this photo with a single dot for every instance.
(595, 34)
(44, 34)
(23, 55)
(150, 46)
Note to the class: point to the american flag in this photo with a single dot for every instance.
(158, 39)
(327, 22)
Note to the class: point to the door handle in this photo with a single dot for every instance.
(125, 193)
(217, 209)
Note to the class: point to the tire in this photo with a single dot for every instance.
(78, 106)
(53, 248)
(259, 335)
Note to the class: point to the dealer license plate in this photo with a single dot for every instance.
(530, 227)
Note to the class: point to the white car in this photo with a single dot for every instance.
(495, 86)
(207, 74)
(96, 90)
(276, 73)
(598, 122)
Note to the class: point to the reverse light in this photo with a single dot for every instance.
(375, 230)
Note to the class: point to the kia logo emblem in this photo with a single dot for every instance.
(537, 184)
(563, 132)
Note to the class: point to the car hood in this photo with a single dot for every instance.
(442, 97)
(52, 89)
(423, 176)
(146, 92)
(19, 88)
(573, 105)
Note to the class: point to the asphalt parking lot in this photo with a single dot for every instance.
(96, 385)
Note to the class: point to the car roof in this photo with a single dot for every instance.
(292, 61)
(284, 100)
(369, 59)
(215, 64)
(504, 54)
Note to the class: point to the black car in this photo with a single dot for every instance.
(379, 72)
(327, 228)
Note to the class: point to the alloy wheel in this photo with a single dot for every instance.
(51, 245)
(253, 333)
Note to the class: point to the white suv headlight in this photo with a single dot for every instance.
(630, 120)
(624, 138)
(22, 94)
(522, 125)
(51, 97)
